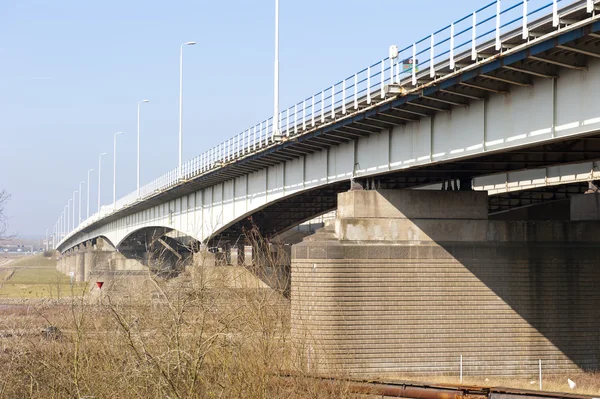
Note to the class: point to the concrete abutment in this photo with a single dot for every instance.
(405, 282)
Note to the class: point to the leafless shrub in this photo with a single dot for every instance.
(212, 332)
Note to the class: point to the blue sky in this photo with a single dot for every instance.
(72, 72)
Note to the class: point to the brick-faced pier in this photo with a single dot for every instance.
(405, 282)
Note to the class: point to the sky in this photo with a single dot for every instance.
(73, 71)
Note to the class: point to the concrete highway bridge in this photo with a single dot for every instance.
(504, 100)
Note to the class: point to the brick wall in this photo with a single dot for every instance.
(380, 308)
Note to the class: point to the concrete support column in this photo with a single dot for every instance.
(89, 264)
(79, 266)
(407, 281)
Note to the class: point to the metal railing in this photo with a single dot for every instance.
(367, 86)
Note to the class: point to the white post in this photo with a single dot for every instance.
(590, 6)
(138, 146)
(73, 211)
(474, 38)
(344, 97)
(540, 369)
(555, 19)
(391, 70)
(181, 103)
(498, 42)
(333, 102)
(525, 27)
(304, 114)
(287, 122)
(322, 106)
(414, 65)
(382, 91)
(259, 133)
(461, 369)
(451, 47)
(296, 119)
(115, 170)
(79, 208)
(254, 139)
(88, 194)
(312, 114)
(355, 91)
(68, 225)
(99, 177)
(432, 57)
(369, 85)
(276, 74)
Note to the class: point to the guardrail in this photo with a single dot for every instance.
(487, 24)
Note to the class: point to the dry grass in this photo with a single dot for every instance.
(207, 334)
(199, 338)
(35, 277)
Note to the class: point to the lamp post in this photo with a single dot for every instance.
(276, 77)
(99, 177)
(79, 207)
(66, 224)
(46, 243)
(73, 211)
(181, 103)
(88, 194)
(115, 171)
(138, 145)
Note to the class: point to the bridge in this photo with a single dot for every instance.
(464, 233)
(511, 86)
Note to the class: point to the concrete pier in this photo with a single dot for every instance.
(405, 282)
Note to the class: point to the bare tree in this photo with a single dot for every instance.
(4, 198)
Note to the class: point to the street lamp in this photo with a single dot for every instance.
(138, 145)
(66, 220)
(115, 171)
(276, 77)
(181, 102)
(99, 179)
(73, 211)
(79, 208)
(88, 194)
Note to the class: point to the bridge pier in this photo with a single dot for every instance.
(407, 282)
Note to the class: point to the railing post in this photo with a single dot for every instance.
(355, 91)
(287, 122)
(260, 128)
(381, 89)
(498, 42)
(333, 102)
(254, 139)
(590, 6)
(296, 119)
(432, 57)
(322, 106)
(474, 38)
(555, 19)
(414, 64)
(344, 97)
(452, 65)
(391, 70)
(304, 114)
(312, 114)
(369, 85)
(525, 27)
